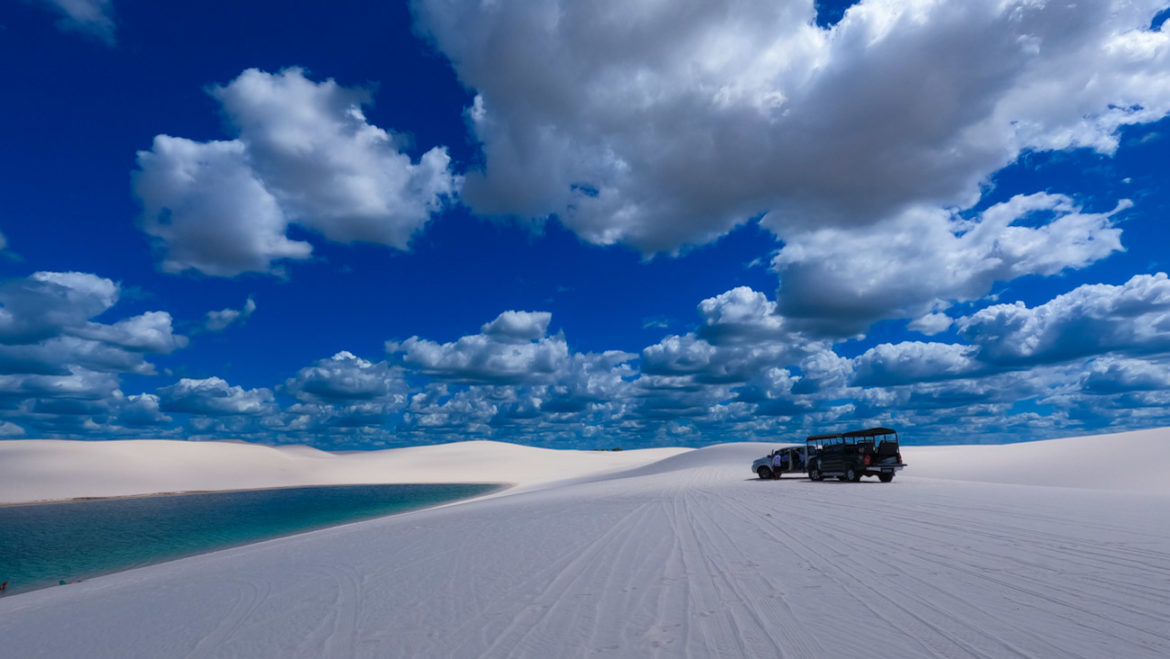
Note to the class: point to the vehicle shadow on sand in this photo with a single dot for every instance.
(809, 481)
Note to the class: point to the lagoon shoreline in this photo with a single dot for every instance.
(179, 493)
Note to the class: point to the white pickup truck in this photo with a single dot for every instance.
(794, 459)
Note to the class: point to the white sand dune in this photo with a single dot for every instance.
(43, 470)
(682, 554)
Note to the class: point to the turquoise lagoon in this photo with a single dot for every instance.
(44, 544)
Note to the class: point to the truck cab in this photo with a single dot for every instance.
(851, 455)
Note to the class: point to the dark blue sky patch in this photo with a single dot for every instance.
(830, 12)
(1160, 19)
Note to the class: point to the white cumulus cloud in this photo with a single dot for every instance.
(664, 124)
(346, 377)
(1089, 320)
(46, 327)
(60, 368)
(141, 411)
(218, 321)
(208, 209)
(912, 361)
(214, 397)
(741, 334)
(1113, 375)
(150, 332)
(512, 348)
(329, 167)
(837, 282)
(305, 153)
(518, 326)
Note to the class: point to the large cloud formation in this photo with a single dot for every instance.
(304, 154)
(868, 147)
(665, 124)
(1133, 318)
(1093, 357)
(59, 368)
(746, 372)
(838, 282)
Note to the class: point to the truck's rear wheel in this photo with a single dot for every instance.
(885, 478)
(851, 475)
(765, 473)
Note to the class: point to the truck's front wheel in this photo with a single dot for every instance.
(764, 473)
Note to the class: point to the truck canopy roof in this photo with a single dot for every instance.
(869, 432)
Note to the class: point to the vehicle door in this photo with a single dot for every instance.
(848, 452)
(832, 454)
(866, 447)
(796, 459)
(814, 450)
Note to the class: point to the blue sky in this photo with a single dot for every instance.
(361, 225)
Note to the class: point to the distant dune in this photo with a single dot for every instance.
(1048, 549)
(40, 470)
(1121, 461)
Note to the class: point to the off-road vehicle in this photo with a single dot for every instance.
(851, 455)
